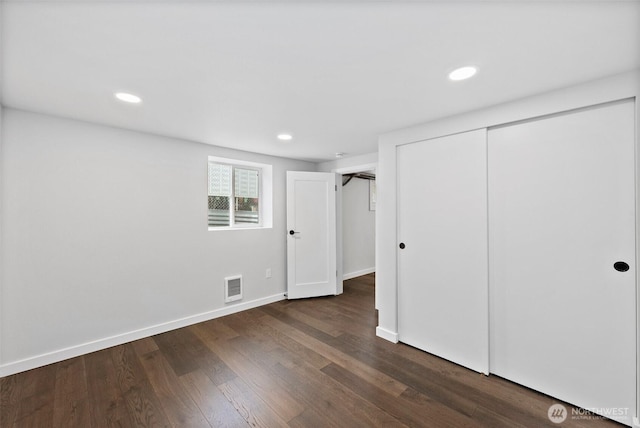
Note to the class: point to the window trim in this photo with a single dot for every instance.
(265, 194)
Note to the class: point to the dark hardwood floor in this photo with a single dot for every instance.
(305, 363)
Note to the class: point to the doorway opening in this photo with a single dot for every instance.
(357, 214)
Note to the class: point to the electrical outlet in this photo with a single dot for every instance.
(268, 273)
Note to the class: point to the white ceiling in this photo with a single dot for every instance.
(334, 74)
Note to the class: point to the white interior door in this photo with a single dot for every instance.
(311, 234)
(442, 270)
(561, 209)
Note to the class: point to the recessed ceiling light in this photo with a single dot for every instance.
(128, 98)
(284, 137)
(463, 73)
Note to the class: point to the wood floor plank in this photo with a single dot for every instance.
(442, 386)
(316, 322)
(282, 315)
(71, 404)
(246, 325)
(127, 367)
(270, 338)
(107, 404)
(72, 413)
(38, 381)
(176, 404)
(216, 330)
(345, 311)
(144, 406)
(36, 408)
(180, 348)
(364, 371)
(285, 342)
(320, 396)
(251, 407)
(10, 395)
(311, 418)
(412, 375)
(144, 346)
(424, 414)
(490, 418)
(339, 405)
(272, 362)
(258, 379)
(71, 379)
(213, 404)
(211, 363)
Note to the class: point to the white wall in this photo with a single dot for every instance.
(105, 238)
(358, 230)
(609, 89)
(347, 163)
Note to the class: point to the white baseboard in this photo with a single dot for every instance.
(386, 334)
(107, 342)
(358, 273)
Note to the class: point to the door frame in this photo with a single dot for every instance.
(342, 171)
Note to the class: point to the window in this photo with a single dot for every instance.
(238, 196)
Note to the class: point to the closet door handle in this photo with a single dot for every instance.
(401, 245)
(621, 266)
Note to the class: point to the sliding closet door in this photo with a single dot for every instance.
(442, 250)
(562, 256)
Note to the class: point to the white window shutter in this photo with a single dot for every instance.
(219, 180)
(246, 183)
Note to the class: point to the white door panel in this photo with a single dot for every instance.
(311, 248)
(442, 213)
(562, 212)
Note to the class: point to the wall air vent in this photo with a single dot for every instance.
(232, 288)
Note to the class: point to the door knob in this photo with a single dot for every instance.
(292, 232)
(621, 266)
(402, 245)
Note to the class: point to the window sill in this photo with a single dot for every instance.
(211, 229)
